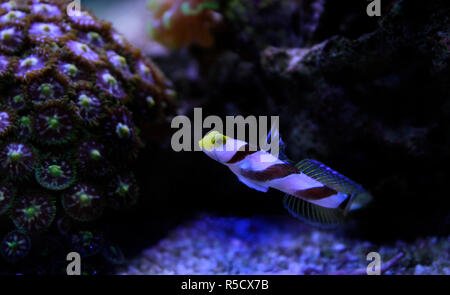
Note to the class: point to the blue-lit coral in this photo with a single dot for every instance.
(56, 174)
(29, 65)
(68, 94)
(13, 16)
(83, 202)
(33, 212)
(40, 31)
(110, 84)
(83, 51)
(55, 123)
(25, 127)
(112, 253)
(87, 243)
(89, 107)
(45, 89)
(11, 38)
(121, 131)
(7, 118)
(6, 196)
(46, 10)
(15, 246)
(123, 191)
(92, 158)
(17, 160)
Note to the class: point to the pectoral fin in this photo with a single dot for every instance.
(253, 184)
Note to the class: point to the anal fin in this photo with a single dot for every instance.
(313, 214)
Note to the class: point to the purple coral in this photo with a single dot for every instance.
(4, 62)
(92, 158)
(29, 65)
(45, 89)
(121, 130)
(85, 20)
(145, 73)
(93, 38)
(11, 39)
(89, 107)
(55, 123)
(83, 51)
(39, 31)
(46, 10)
(6, 196)
(110, 84)
(12, 16)
(17, 160)
(120, 64)
(6, 121)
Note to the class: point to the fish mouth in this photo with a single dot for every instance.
(200, 144)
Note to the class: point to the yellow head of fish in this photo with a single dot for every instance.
(212, 141)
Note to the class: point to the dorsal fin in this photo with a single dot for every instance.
(313, 214)
(329, 177)
(359, 197)
(274, 134)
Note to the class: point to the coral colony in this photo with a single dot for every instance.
(69, 86)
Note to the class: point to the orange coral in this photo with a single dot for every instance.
(181, 23)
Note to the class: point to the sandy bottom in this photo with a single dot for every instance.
(280, 245)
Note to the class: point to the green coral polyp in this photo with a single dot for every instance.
(18, 99)
(29, 62)
(7, 34)
(53, 123)
(122, 130)
(34, 212)
(83, 202)
(94, 36)
(56, 174)
(55, 171)
(95, 155)
(71, 70)
(15, 246)
(150, 101)
(85, 199)
(25, 121)
(108, 78)
(123, 192)
(46, 91)
(15, 156)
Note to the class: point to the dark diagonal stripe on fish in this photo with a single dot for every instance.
(273, 172)
(315, 193)
(241, 154)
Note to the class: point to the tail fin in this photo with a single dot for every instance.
(358, 196)
(321, 216)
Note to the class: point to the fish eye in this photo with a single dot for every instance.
(219, 139)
